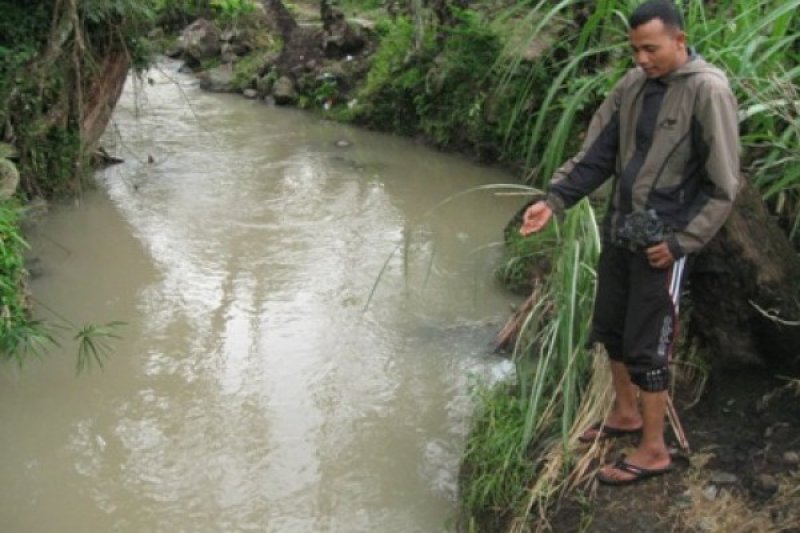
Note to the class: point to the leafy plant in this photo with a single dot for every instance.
(14, 324)
(94, 344)
(229, 12)
(553, 380)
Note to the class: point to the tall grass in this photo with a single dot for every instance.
(575, 84)
(758, 45)
(19, 336)
(536, 419)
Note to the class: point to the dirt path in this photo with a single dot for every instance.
(743, 474)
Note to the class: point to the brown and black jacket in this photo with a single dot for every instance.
(673, 146)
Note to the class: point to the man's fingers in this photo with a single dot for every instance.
(535, 218)
(660, 256)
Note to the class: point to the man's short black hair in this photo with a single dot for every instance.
(656, 9)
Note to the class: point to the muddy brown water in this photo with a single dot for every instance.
(251, 390)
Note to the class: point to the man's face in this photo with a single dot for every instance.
(657, 49)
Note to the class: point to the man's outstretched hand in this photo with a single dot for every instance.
(535, 218)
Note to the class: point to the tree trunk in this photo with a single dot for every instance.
(750, 270)
(102, 96)
(280, 19)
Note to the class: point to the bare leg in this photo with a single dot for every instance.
(652, 452)
(625, 413)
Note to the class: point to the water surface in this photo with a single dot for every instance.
(252, 391)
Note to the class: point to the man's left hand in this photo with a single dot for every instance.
(659, 256)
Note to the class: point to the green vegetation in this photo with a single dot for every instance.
(19, 336)
(417, 86)
(50, 55)
(518, 458)
(230, 12)
(53, 56)
(497, 467)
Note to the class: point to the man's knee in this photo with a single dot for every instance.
(654, 380)
(611, 344)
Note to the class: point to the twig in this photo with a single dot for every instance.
(677, 428)
(772, 317)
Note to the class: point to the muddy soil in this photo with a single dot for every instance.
(745, 439)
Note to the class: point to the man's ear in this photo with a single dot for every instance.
(680, 38)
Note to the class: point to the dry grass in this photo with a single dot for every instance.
(730, 512)
(551, 481)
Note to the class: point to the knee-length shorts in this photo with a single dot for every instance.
(636, 313)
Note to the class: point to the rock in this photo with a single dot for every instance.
(303, 83)
(175, 51)
(229, 35)
(767, 483)
(218, 79)
(284, 92)
(9, 178)
(724, 478)
(250, 93)
(343, 143)
(200, 41)
(269, 100)
(334, 70)
(791, 458)
(711, 492)
(228, 58)
(264, 84)
(236, 49)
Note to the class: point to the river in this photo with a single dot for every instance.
(264, 381)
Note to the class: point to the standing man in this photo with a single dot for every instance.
(668, 133)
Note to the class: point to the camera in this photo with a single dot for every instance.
(641, 229)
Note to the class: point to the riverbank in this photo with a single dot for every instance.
(742, 475)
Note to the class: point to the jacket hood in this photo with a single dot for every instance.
(695, 65)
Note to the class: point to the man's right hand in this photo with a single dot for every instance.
(535, 218)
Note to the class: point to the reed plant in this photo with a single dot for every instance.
(758, 45)
(519, 454)
(19, 335)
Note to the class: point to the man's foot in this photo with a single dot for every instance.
(625, 473)
(600, 431)
(615, 425)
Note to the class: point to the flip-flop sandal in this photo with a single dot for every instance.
(639, 473)
(606, 432)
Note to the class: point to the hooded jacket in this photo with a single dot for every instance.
(673, 146)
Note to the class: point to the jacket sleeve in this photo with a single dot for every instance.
(715, 112)
(596, 161)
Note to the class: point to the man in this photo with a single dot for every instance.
(668, 134)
